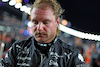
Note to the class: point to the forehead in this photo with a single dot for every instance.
(42, 11)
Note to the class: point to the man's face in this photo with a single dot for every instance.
(44, 25)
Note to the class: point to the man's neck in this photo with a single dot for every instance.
(44, 47)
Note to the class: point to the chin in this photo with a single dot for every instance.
(40, 40)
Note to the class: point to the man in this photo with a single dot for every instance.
(1, 48)
(8, 40)
(45, 49)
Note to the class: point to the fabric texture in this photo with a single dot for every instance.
(25, 53)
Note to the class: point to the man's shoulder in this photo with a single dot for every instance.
(67, 47)
(23, 42)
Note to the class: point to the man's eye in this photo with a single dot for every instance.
(35, 22)
(45, 22)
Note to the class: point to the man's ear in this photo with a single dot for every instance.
(58, 21)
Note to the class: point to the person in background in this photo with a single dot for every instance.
(8, 41)
(44, 49)
(1, 46)
(95, 56)
(78, 43)
(1, 49)
(88, 56)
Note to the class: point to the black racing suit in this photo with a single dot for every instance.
(25, 54)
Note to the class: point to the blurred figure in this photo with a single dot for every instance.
(1, 47)
(88, 55)
(95, 59)
(78, 43)
(8, 41)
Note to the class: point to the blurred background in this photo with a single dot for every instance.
(79, 25)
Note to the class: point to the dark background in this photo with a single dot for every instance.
(84, 15)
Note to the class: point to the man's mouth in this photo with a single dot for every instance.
(40, 34)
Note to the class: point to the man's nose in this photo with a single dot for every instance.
(40, 26)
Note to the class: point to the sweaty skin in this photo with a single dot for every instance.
(44, 24)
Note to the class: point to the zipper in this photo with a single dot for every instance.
(42, 56)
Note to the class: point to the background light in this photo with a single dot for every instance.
(18, 5)
(5, 0)
(18, 1)
(25, 32)
(1, 4)
(27, 10)
(78, 33)
(12, 2)
(26, 1)
(64, 22)
(29, 24)
(21, 30)
(23, 8)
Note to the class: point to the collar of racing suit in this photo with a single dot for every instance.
(44, 47)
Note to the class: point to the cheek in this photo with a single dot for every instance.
(52, 29)
(33, 28)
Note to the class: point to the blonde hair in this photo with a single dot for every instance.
(56, 7)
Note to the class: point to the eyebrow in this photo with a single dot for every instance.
(46, 20)
(43, 20)
(33, 20)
